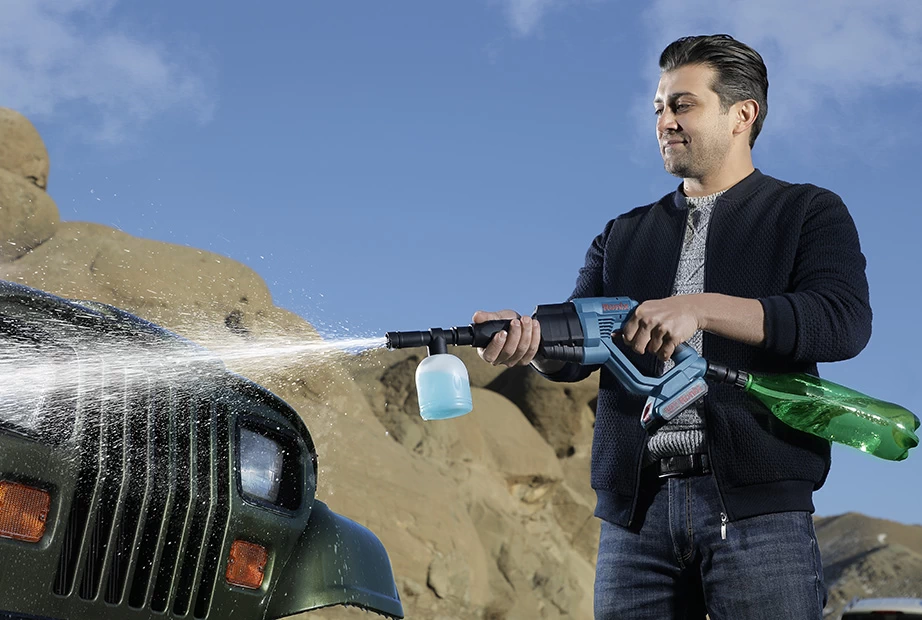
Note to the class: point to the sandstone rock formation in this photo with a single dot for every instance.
(487, 516)
(22, 151)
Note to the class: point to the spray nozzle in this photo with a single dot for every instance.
(475, 335)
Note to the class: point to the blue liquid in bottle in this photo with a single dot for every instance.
(443, 387)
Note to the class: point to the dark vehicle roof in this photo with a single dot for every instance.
(883, 609)
(42, 317)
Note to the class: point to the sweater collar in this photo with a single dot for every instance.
(740, 189)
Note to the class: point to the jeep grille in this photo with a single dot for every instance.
(150, 511)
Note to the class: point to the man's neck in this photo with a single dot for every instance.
(723, 179)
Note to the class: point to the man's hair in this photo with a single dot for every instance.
(740, 71)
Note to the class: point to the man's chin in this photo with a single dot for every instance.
(675, 169)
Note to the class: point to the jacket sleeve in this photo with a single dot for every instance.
(826, 314)
(588, 284)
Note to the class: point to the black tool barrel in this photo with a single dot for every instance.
(476, 335)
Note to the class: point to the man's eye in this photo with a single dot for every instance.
(682, 106)
(658, 111)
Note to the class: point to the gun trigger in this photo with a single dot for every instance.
(650, 417)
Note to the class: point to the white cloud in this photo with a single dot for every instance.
(60, 55)
(816, 51)
(525, 15)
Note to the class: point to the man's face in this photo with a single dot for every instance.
(694, 136)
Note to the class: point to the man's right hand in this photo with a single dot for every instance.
(515, 348)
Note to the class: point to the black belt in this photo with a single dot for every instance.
(683, 465)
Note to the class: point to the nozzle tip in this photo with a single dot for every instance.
(406, 340)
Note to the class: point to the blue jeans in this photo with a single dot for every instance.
(675, 563)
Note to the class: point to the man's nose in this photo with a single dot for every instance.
(666, 121)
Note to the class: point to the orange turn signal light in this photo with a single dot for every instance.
(246, 564)
(23, 511)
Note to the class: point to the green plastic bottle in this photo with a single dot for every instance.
(837, 413)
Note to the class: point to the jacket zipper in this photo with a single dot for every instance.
(724, 517)
(630, 520)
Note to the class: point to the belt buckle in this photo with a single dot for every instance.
(681, 466)
(672, 474)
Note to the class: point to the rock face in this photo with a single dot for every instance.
(29, 216)
(22, 151)
(562, 414)
(487, 516)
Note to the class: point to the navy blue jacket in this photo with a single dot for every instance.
(795, 249)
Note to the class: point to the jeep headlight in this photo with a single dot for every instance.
(261, 463)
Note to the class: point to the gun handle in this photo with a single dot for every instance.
(682, 352)
(483, 332)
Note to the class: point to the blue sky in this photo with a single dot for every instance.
(400, 165)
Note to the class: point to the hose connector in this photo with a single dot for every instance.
(722, 374)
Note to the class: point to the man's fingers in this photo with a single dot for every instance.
(640, 343)
(639, 340)
(482, 316)
(636, 333)
(535, 342)
(512, 343)
(629, 329)
(666, 351)
(496, 352)
(660, 341)
(656, 341)
(524, 344)
(492, 351)
(514, 346)
(502, 345)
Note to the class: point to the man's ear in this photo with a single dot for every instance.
(746, 113)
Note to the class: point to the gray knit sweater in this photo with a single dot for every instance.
(684, 434)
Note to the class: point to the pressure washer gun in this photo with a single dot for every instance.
(580, 331)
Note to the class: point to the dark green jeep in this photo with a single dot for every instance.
(141, 479)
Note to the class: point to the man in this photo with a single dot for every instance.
(712, 512)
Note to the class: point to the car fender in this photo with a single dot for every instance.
(336, 562)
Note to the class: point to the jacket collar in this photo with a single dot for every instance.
(742, 188)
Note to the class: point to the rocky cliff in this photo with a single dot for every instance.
(487, 516)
